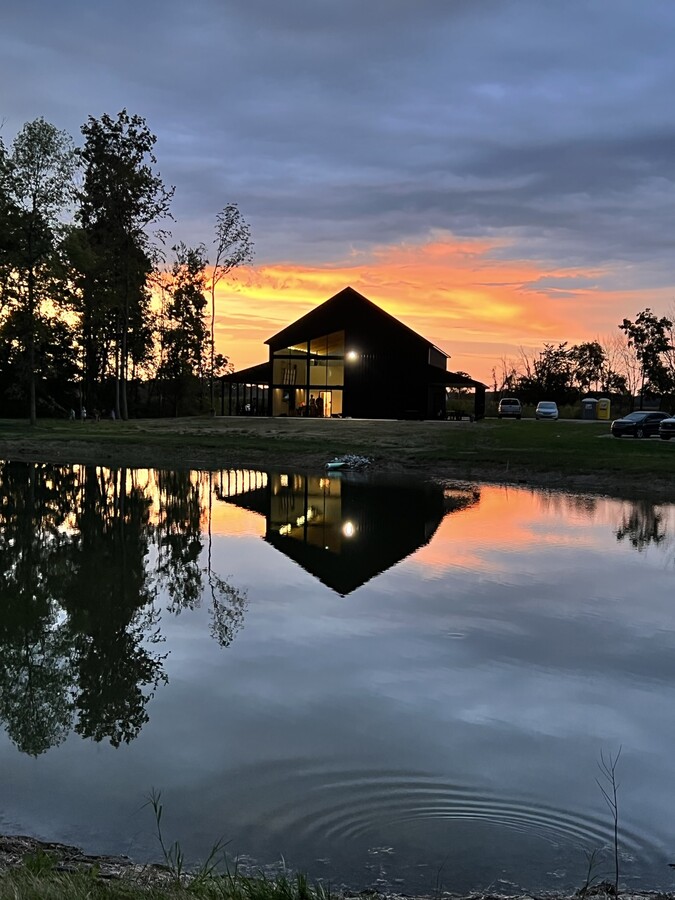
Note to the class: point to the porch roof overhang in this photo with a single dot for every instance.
(260, 374)
(452, 379)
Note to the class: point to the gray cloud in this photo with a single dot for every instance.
(353, 124)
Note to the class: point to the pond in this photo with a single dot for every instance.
(382, 683)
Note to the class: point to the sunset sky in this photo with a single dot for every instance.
(496, 173)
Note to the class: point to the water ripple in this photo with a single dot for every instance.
(345, 806)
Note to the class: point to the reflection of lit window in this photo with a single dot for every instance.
(285, 529)
(324, 483)
(348, 529)
(352, 355)
(300, 521)
(283, 480)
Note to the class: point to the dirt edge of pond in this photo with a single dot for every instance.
(70, 860)
(137, 455)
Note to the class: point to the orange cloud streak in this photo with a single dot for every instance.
(459, 294)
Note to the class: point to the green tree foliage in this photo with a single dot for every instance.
(36, 186)
(121, 198)
(650, 337)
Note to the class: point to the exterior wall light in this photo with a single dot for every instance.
(348, 529)
(352, 355)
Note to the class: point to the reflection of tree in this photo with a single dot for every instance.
(179, 542)
(180, 545)
(78, 622)
(228, 605)
(113, 671)
(104, 590)
(643, 525)
(35, 674)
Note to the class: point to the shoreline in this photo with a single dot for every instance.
(399, 464)
(68, 860)
(567, 455)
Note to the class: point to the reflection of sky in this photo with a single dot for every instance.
(501, 658)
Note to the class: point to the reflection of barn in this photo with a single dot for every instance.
(343, 529)
(350, 358)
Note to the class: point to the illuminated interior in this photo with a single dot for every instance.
(309, 510)
(308, 379)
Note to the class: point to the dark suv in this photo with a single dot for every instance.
(510, 408)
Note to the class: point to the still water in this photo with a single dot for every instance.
(385, 683)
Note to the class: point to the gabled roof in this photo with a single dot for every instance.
(332, 316)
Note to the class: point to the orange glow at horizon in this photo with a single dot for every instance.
(460, 294)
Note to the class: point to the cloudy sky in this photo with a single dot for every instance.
(497, 173)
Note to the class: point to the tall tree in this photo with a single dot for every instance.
(36, 186)
(234, 248)
(184, 330)
(649, 336)
(122, 196)
(588, 364)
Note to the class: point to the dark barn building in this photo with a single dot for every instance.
(349, 358)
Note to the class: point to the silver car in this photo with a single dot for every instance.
(546, 409)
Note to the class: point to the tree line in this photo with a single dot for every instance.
(97, 310)
(638, 362)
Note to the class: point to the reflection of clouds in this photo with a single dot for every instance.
(506, 521)
(563, 653)
(521, 521)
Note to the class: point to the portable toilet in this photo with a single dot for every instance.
(604, 407)
(589, 408)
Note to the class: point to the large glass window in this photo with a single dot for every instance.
(300, 350)
(289, 371)
(304, 377)
(328, 345)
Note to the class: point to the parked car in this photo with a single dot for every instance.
(667, 428)
(638, 424)
(546, 409)
(509, 407)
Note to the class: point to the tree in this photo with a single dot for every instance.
(36, 186)
(234, 248)
(588, 363)
(184, 330)
(55, 364)
(120, 199)
(548, 375)
(649, 336)
(621, 373)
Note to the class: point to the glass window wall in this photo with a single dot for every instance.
(305, 377)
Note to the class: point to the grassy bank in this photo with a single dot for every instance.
(566, 453)
(28, 882)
